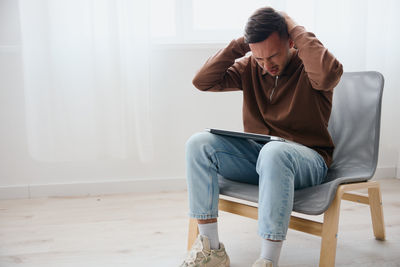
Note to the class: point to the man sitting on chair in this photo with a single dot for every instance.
(287, 85)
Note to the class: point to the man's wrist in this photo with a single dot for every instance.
(243, 45)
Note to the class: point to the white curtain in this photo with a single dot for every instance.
(86, 79)
(86, 67)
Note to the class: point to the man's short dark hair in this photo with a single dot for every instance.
(263, 23)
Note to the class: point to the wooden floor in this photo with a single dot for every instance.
(151, 229)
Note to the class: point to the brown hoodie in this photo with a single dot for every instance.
(296, 105)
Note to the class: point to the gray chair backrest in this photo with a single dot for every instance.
(355, 125)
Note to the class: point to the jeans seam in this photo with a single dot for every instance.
(211, 190)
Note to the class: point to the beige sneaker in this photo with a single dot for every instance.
(201, 255)
(263, 263)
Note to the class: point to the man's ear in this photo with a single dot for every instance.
(291, 43)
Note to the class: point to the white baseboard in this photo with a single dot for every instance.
(93, 188)
(120, 187)
(13, 192)
(385, 172)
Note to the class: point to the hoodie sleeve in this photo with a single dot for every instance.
(222, 72)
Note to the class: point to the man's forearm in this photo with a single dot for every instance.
(220, 72)
(322, 68)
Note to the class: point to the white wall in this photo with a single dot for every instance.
(178, 111)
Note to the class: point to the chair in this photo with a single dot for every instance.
(354, 126)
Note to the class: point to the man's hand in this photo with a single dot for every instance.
(289, 21)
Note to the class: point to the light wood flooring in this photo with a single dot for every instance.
(151, 230)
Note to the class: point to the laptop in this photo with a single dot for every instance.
(256, 137)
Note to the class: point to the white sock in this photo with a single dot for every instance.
(210, 230)
(271, 250)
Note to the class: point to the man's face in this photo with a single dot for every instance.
(273, 53)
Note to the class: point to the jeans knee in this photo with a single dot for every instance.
(274, 156)
(197, 142)
(275, 151)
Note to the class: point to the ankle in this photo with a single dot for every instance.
(212, 220)
(210, 230)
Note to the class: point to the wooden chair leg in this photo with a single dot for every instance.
(329, 233)
(193, 232)
(375, 204)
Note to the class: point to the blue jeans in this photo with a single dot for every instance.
(277, 167)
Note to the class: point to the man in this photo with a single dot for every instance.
(287, 85)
